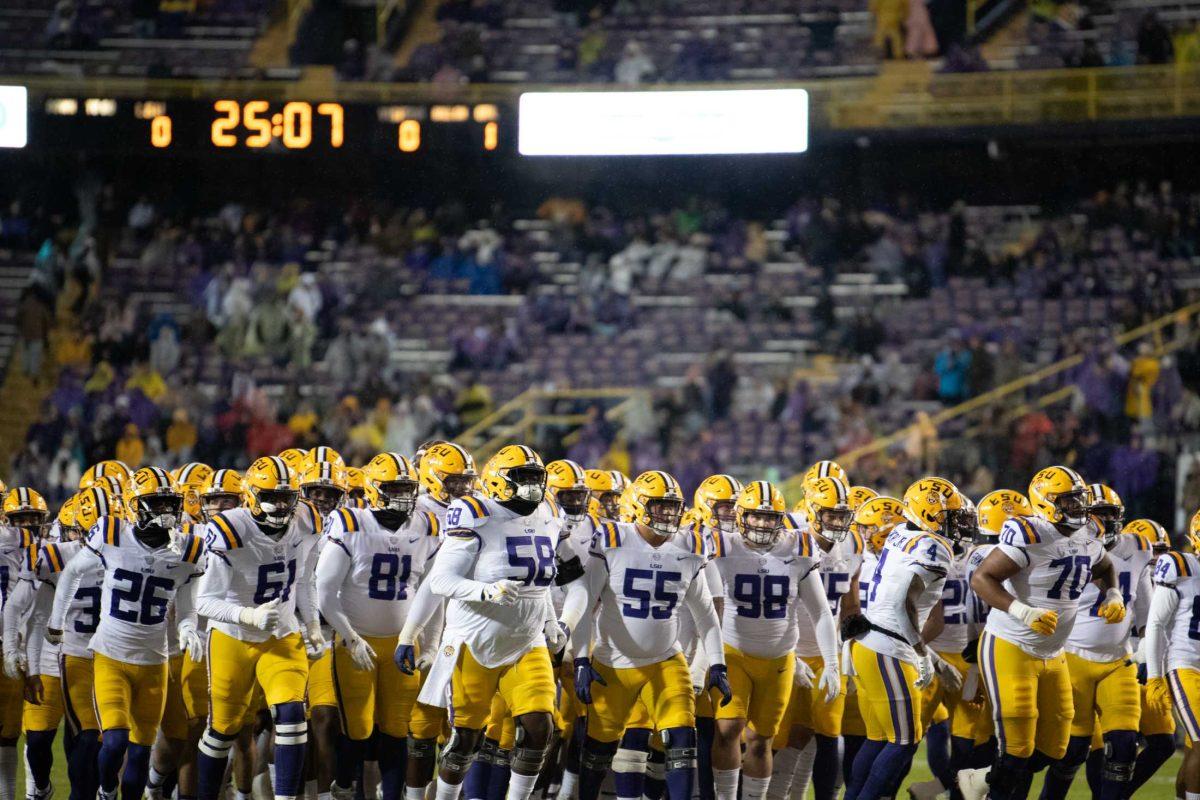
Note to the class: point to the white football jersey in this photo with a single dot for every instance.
(427, 504)
(1093, 638)
(1180, 572)
(865, 573)
(499, 544)
(1055, 569)
(83, 614)
(976, 607)
(955, 609)
(139, 583)
(385, 566)
(18, 558)
(247, 568)
(638, 623)
(762, 616)
(837, 569)
(908, 552)
(690, 639)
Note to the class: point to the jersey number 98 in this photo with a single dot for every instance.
(761, 596)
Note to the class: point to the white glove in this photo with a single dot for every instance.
(264, 617)
(14, 666)
(425, 659)
(1040, 620)
(804, 676)
(314, 640)
(1139, 655)
(831, 682)
(362, 654)
(557, 634)
(190, 641)
(502, 592)
(924, 671)
(946, 673)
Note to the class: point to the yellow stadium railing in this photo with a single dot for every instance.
(1006, 392)
(904, 99)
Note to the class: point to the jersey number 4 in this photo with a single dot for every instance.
(139, 601)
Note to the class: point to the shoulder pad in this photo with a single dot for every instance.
(314, 516)
(608, 535)
(474, 506)
(554, 509)
(718, 544)
(858, 546)
(1139, 544)
(935, 548)
(106, 531)
(344, 519)
(790, 523)
(222, 534)
(51, 559)
(1019, 532)
(806, 546)
(191, 549)
(431, 519)
(1172, 566)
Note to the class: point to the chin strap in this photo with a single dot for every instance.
(522, 508)
(390, 518)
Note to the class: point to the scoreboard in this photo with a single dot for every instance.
(249, 125)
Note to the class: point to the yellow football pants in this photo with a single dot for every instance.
(501, 727)
(382, 696)
(1153, 722)
(937, 695)
(1030, 697)
(807, 707)
(321, 691)
(78, 676)
(12, 702)
(130, 696)
(852, 722)
(1185, 694)
(1108, 689)
(761, 688)
(279, 666)
(527, 686)
(887, 699)
(665, 688)
(46, 715)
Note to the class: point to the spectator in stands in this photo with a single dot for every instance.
(181, 438)
(34, 320)
(635, 65)
(63, 27)
(889, 21)
(952, 366)
(920, 39)
(1153, 40)
(131, 448)
(1143, 374)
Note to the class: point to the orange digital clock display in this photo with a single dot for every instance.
(252, 124)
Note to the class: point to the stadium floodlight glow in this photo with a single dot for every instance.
(663, 123)
(14, 116)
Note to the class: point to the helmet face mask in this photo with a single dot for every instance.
(31, 519)
(159, 510)
(276, 506)
(398, 495)
(962, 524)
(574, 503)
(1072, 506)
(325, 498)
(214, 503)
(458, 485)
(723, 512)
(832, 523)
(664, 514)
(610, 502)
(1111, 518)
(761, 527)
(529, 482)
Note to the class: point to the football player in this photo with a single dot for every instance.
(1103, 676)
(496, 567)
(1172, 658)
(366, 576)
(356, 488)
(257, 594)
(827, 515)
(296, 459)
(100, 473)
(891, 660)
(1032, 580)
(191, 479)
(25, 515)
(606, 486)
(147, 563)
(640, 572)
(765, 566)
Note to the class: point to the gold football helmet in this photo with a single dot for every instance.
(92, 504)
(153, 499)
(221, 492)
(322, 455)
(516, 472)
(447, 471)
(758, 513)
(714, 502)
(655, 500)
(1106, 507)
(356, 486)
(876, 518)
(568, 486)
(295, 458)
(390, 483)
(1193, 534)
(190, 478)
(269, 490)
(1151, 533)
(827, 508)
(605, 486)
(422, 449)
(929, 504)
(323, 483)
(998, 507)
(857, 495)
(1060, 496)
(68, 529)
(25, 508)
(111, 468)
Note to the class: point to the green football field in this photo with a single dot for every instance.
(1160, 787)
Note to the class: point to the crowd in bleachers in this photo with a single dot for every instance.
(761, 343)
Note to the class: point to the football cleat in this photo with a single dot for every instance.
(655, 500)
(713, 504)
(1060, 496)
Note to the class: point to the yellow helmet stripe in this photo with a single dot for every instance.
(732, 483)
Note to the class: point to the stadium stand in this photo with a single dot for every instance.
(759, 343)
